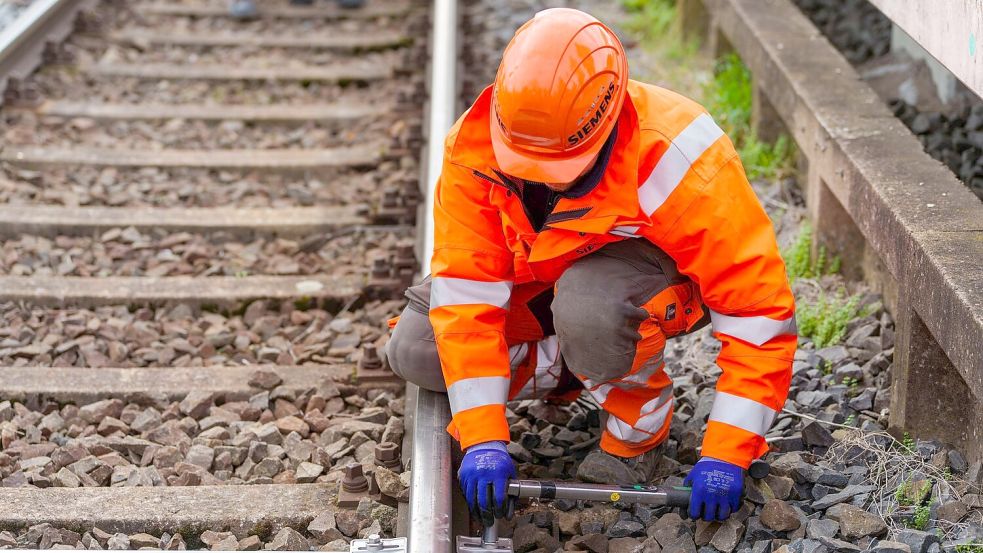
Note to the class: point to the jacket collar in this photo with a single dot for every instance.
(610, 195)
(589, 180)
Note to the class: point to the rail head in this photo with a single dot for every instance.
(22, 43)
(443, 109)
(431, 525)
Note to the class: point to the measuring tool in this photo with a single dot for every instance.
(671, 496)
(647, 495)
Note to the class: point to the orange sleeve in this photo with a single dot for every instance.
(720, 236)
(472, 270)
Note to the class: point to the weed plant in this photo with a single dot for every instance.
(824, 321)
(728, 98)
(922, 516)
(799, 261)
(891, 469)
(654, 22)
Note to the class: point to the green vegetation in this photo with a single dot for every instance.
(650, 19)
(724, 89)
(908, 443)
(654, 22)
(921, 518)
(824, 322)
(728, 99)
(901, 495)
(969, 548)
(799, 261)
(853, 386)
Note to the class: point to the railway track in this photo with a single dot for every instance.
(206, 223)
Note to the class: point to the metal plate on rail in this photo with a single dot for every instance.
(375, 543)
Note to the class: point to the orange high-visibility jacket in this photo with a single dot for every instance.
(673, 178)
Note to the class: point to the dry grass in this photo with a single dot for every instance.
(892, 465)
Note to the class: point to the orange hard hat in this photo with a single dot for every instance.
(557, 95)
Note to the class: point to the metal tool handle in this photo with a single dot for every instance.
(546, 489)
(758, 469)
(678, 497)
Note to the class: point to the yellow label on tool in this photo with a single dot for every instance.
(615, 496)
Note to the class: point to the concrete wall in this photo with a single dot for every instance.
(898, 218)
(950, 30)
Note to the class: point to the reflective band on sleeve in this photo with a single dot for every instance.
(476, 392)
(676, 162)
(756, 330)
(461, 291)
(742, 412)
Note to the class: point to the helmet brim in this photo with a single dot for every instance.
(528, 165)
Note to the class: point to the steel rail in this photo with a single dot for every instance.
(443, 108)
(431, 505)
(22, 43)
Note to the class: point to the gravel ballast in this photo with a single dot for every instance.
(834, 478)
(155, 187)
(26, 128)
(178, 336)
(128, 252)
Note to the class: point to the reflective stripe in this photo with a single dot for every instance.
(547, 374)
(462, 291)
(756, 330)
(652, 422)
(538, 385)
(598, 391)
(517, 354)
(475, 392)
(742, 412)
(624, 431)
(625, 230)
(641, 378)
(548, 353)
(655, 412)
(676, 162)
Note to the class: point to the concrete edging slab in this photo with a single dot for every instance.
(926, 226)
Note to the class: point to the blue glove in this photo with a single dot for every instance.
(484, 475)
(717, 487)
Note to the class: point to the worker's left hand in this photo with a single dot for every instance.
(717, 487)
(484, 475)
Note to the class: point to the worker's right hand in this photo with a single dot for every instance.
(484, 475)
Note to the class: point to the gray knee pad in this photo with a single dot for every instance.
(595, 320)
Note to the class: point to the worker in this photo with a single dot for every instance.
(580, 219)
